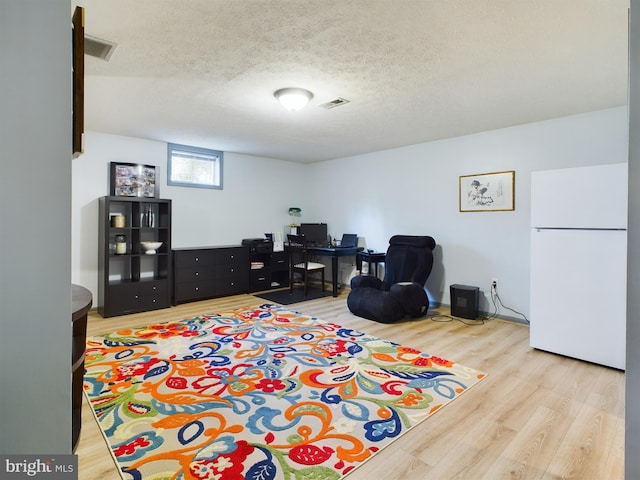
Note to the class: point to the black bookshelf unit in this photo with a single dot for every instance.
(131, 280)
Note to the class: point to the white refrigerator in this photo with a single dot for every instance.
(579, 262)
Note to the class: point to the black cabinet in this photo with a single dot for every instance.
(208, 272)
(132, 279)
(231, 270)
(269, 270)
(260, 278)
(280, 269)
(194, 274)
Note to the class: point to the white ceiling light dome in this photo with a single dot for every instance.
(293, 99)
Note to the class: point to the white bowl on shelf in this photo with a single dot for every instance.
(150, 247)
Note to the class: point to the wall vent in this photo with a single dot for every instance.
(96, 47)
(334, 103)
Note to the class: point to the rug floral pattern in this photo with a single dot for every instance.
(261, 393)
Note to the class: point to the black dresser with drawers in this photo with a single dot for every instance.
(208, 272)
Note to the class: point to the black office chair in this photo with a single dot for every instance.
(299, 262)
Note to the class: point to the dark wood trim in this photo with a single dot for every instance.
(78, 82)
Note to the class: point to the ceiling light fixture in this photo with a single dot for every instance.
(293, 99)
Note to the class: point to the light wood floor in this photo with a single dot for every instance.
(536, 415)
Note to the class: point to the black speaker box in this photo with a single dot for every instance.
(464, 301)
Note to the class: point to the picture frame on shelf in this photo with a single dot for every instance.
(487, 192)
(133, 180)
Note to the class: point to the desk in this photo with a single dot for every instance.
(334, 253)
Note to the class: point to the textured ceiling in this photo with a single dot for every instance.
(203, 72)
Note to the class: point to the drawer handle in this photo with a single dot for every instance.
(197, 289)
(154, 287)
(154, 300)
(232, 270)
(197, 273)
(197, 259)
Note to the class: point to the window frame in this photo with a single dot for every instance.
(216, 157)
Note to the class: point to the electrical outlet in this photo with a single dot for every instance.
(494, 285)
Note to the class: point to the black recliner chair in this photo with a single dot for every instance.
(408, 264)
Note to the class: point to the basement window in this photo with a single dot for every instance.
(194, 167)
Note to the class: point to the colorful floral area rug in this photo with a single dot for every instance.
(261, 393)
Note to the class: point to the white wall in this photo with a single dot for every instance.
(35, 227)
(414, 190)
(409, 190)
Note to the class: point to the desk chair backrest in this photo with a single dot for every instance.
(297, 250)
(299, 261)
(409, 259)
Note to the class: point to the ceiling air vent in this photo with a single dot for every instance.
(334, 103)
(96, 47)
